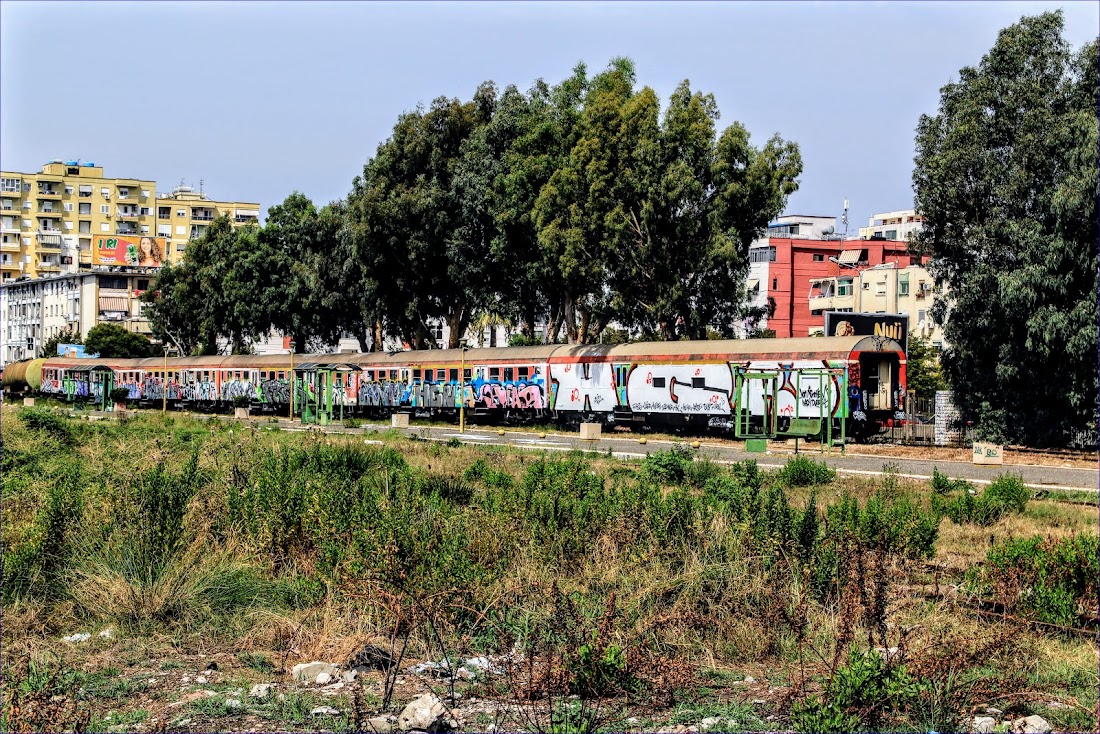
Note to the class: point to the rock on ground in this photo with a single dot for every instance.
(260, 690)
(310, 671)
(426, 713)
(1031, 725)
(324, 711)
(983, 725)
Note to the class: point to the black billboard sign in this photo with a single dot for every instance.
(890, 325)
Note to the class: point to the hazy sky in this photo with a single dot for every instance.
(261, 99)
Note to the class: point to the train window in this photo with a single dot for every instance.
(524, 373)
(370, 375)
(466, 374)
(441, 375)
(282, 374)
(509, 374)
(205, 375)
(237, 375)
(393, 374)
(698, 382)
(453, 377)
(416, 374)
(658, 382)
(494, 373)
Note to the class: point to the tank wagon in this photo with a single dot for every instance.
(846, 385)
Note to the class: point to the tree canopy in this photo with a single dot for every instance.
(1006, 179)
(112, 340)
(574, 205)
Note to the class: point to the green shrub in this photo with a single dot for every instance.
(802, 471)
(698, 473)
(1051, 581)
(120, 395)
(1006, 495)
(859, 697)
(47, 421)
(242, 401)
(942, 484)
(669, 466)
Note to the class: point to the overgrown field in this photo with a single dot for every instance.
(202, 557)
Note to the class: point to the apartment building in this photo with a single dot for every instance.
(897, 225)
(887, 288)
(35, 310)
(800, 250)
(50, 218)
(184, 215)
(70, 217)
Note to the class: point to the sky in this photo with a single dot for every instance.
(260, 99)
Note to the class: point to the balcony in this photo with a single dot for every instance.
(202, 217)
(128, 231)
(831, 302)
(9, 247)
(48, 241)
(10, 229)
(128, 213)
(49, 266)
(49, 193)
(49, 211)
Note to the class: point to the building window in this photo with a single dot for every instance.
(144, 211)
(844, 287)
(762, 255)
(880, 289)
(11, 184)
(145, 229)
(106, 192)
(164, 212)
(145, 193)
(903, 284)
(921, 316)
(775, 284)
(85, 227)
(85, 208)
(891, 234)
(104, 227)
(105, 209)
(68, 207)
(181, 212)
(819, 257)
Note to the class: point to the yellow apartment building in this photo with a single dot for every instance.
(58, 221)
(50, 218)
(184, 215)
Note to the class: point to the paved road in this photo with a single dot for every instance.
(1043, 477)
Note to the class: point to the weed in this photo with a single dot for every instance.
(802, 471)
(48, 422)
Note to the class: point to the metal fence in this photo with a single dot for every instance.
(933, 420)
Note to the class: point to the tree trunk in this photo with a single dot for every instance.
(599, 325)
(571, 319)
(379, 343)
(582, 332)
(457, 321)
(553, 324)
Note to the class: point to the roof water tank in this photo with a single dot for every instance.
(89, 164)
(72, 163)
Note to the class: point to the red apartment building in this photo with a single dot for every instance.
(793, 263)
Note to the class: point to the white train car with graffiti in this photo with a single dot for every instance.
(724, 384)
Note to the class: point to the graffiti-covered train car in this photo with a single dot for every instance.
(716, 384)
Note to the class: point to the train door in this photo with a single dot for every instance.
(879, 372)
(755, 403)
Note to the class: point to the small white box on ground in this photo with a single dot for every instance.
(988, 453)
(399, 420)
(590, 431)
(29, 402)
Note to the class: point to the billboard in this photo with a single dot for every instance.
(141, 250)
(890, 325)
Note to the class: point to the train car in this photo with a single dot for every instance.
(752, 385)
(23, 377)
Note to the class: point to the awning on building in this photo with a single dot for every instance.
(85, 189)
(114, 303)
(247, 212)
(754, 285)
(849, 257)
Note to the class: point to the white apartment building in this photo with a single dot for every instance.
(897, 225)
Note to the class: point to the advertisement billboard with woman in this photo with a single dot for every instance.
(136, 250)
